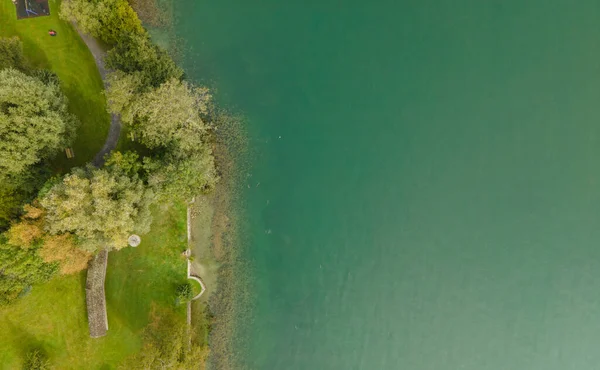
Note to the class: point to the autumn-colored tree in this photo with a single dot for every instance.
(24, 234)
(63, 249)
(29, 232)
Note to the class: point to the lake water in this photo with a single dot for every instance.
(429, 173)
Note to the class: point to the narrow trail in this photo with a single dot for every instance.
(115, 121)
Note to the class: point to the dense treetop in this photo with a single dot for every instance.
(34, 121)
(20, 268)
(100, 207)
(105, 19)
(135, 53)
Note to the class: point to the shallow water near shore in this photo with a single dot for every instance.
(425, 192)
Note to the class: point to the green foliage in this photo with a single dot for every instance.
(184, 293)
(36, 360)
(135, 53)
(46, 76)
(17, 190)
(105, 19)
(11, 53)
(34, 121)
(19, 270)
(182, 177)
(168, 115)
(166, 347)
(123, 91)
(127, 163)
(170, 120)
(101, 207)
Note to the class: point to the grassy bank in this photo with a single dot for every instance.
(140, 281)
(69, 58)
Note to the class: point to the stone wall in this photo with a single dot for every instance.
(94, 295)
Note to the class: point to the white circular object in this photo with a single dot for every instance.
(134, 240)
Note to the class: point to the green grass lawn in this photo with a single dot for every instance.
(53, 316)
(69, 58)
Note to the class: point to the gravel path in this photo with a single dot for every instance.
(115, 121)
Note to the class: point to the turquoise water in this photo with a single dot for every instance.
(433, 202)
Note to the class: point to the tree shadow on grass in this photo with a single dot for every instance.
(35, 56)
(26, 342)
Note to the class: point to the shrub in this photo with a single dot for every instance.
(36, 360)
(184, 293)
(11, 53)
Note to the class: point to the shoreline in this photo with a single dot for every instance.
(216, 245)
(214, 221)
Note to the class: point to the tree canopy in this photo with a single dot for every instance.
(11, 53)
(105, 19)
(171, 120)
(19, 269)
(135, 53)
(29, 233)
(34, 121)
(168, 115)
(100, 207)
(182, 177)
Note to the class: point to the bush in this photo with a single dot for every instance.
(11, 53)
(36, 360)
(19, 269)
(184, 293)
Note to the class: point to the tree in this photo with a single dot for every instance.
(135, 53)
(11, 198)
(105, 19)
(24, 234)
(182, 177)
(29, 232)
(34, 121)
(124, 89)
(63, 249)
(171, 114)
(170, 120)
(19, 270)
(100, 207)
(11, 53)
(17, 190)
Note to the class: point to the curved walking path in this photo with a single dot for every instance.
(115, 121)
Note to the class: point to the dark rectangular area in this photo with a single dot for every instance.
(31, 8)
